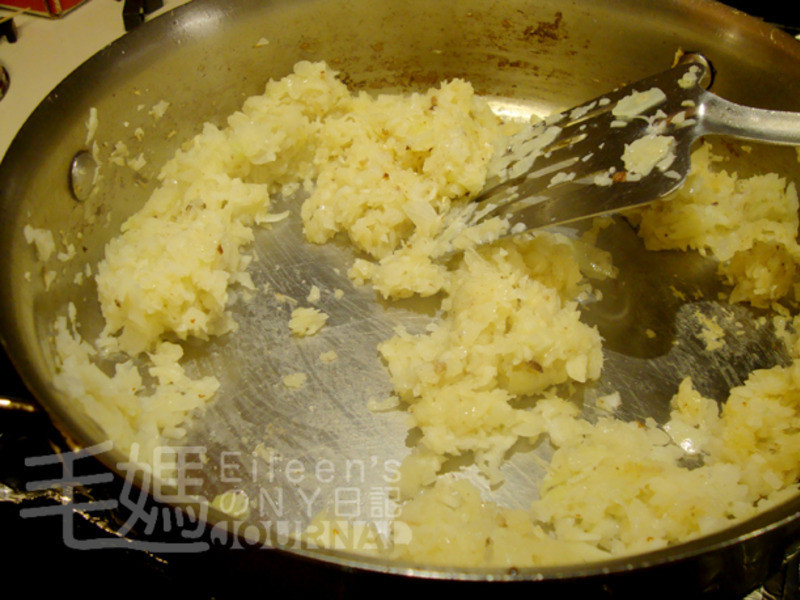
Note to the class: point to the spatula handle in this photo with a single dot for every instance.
(720, 116)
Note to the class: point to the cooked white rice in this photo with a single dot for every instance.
(386, 172)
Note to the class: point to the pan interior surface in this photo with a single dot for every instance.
(293, 451)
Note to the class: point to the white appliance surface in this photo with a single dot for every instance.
(49, 49)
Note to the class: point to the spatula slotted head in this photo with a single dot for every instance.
(624, 149)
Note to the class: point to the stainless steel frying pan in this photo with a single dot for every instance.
(527, 56)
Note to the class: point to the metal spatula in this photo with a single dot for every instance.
(624, 149)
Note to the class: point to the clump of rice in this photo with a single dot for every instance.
(748, 224)
(42, 241)
(510, 329)
(132, 412)
(294, 381)
(449, 523)
(307, 321)
(393, 165)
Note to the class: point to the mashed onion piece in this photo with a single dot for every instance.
(390, 173)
